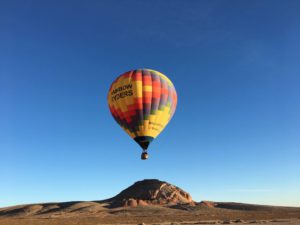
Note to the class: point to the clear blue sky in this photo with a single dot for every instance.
(235, 64)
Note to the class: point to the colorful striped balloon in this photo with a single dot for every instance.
(142, 102)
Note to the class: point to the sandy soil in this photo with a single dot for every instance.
(90, 214)
(94, 221)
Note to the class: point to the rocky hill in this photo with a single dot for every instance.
(151, 192)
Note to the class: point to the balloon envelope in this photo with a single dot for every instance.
(142, 102)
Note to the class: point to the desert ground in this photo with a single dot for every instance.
(148, 202)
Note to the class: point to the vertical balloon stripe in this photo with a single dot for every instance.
(139, 99)
(164, 92)
(156, 93)
(156, 96)
(133, 113)
(130, 102)
(166, 115)
(147, 94)
(174, 102)
(123, 104)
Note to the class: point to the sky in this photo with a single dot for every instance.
(235, 65)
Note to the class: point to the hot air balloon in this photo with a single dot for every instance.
(142, 102)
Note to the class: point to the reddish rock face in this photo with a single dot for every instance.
(142, 203)
(151, 192)
(208, 204)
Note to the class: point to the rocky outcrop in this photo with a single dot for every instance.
(151, 192)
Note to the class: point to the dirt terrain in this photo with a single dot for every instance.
(149, 202)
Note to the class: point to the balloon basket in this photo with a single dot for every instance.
(144, 156)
